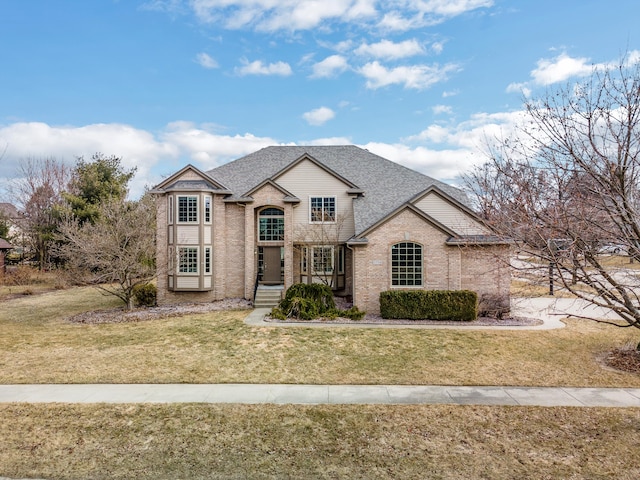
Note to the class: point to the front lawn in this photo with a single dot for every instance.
(37, 345)
(317, 442)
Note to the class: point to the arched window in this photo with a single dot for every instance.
(271, 225)
(406, 264)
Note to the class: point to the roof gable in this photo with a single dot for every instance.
(450, 212)
(190, 178)
(308, 158)
(412, 208)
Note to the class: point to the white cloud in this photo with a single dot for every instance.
(258, 68)
(417, 77)
(329, 141)
(521, 88)
(274, 15)
(388, 50)
(297, 15)
(440, 109)
(330, 67)
(319, 116)
(153, 155)
(560, 69)
(206, 61)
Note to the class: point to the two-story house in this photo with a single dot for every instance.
(339, 215)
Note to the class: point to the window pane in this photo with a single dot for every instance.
(322, 209)
(271, 225)
(406, 264)
(188, 260)
(187, 209)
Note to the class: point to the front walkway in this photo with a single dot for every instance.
(322, 394)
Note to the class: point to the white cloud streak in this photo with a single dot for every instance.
(319, 116)
(418, 77)
(257, 67)
(299, 15)
(388, 50)
(206, 61)
(330, 67)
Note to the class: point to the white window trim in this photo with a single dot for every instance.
(187, 222)
(170, 208)
(335, 209)
(198, 258)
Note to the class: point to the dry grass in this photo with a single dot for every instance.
(309, 442)
(38, 346)
(268, 441)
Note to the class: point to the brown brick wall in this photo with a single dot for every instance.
(445, 267)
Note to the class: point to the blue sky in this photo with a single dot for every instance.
(163, 83)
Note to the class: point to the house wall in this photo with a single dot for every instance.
(373, 261)
(234, 260)
(485, 269)
(306, 180)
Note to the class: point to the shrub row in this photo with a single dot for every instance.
(429, 304)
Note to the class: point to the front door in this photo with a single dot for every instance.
(272, 265)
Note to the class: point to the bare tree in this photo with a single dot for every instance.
(567, 187)
(38, 189)
(116, 252)
(318, 243)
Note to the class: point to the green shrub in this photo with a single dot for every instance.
(145, 294)
(429, 304)
(308, 301)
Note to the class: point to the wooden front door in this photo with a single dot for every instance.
(272, 265)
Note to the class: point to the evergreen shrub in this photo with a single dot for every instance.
(429, 304)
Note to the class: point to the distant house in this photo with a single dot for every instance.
(4, 248)
(339, 215)
(10, 214)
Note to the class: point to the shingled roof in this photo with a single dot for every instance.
(386, 185)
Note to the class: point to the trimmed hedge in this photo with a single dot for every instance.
(429, 304)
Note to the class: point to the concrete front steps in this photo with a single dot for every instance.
(268, 296)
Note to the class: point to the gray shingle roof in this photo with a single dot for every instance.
(387, 185)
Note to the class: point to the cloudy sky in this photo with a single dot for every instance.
(163, 83)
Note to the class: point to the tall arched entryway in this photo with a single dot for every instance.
(271, 246)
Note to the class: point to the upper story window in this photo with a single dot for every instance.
(271, 225)
(187, 209)
(406, 264)
(322, 209)
(170, 208)
(207, 209)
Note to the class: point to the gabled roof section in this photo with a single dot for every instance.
(448, 198)
(354, 189)
(385, 185)
(408, 206)
(4, 245)
(287, 196)
(201, 182)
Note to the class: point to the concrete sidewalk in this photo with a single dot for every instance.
(321, 394)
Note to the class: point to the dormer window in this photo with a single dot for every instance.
(187, 209)
(322, 209)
